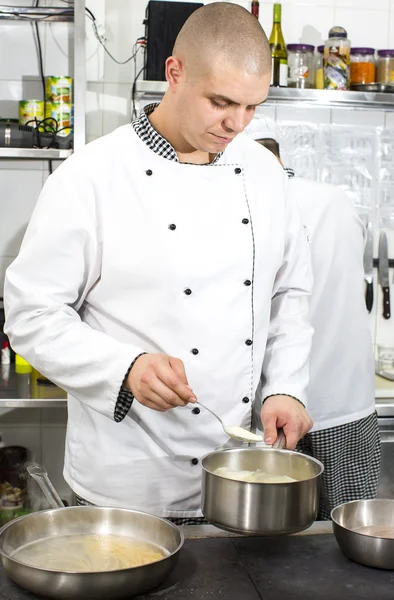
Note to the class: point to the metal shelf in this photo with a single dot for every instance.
(28, 13)
(35, 153)
(293, 96)
(38, 403)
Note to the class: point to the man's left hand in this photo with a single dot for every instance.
(287, 413)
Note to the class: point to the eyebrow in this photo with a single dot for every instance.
(226, 99)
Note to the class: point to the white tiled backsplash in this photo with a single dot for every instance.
(108, 93)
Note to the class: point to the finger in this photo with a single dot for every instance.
(155, 402)
(177, 365)
(166, 394)
(269, 425)
(292, 439)
(170, 379)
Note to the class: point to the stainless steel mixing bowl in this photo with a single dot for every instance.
(261, 508)
(58, 522)
(362, 548)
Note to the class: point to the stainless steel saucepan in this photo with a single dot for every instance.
(261, 508)
(86, 520)
(364, 530)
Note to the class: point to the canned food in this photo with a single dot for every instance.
(59, 117)
(59, 89)
(31, 112)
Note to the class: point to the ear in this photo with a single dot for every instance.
(174, 71)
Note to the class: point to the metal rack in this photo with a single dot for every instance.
(73, 14)
(292, 96)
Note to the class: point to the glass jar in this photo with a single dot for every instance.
(301, 67)
(319, 73)
(362, 65)
(337, 60)
(385, 66)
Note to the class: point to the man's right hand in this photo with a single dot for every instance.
(159, 382)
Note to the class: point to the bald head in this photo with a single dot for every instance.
(225, 33)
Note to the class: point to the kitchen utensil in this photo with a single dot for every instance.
(261, 508)
(368, 267)
(372, 87)
(367, 547)
(385, 375)
(383, 271)
(235, 432)
(87, 520)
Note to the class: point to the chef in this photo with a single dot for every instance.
(163, 264)
(341, 393)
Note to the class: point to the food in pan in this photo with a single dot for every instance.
(382, 531)
(257, 476)
(89, 553)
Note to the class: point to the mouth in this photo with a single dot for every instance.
(222, 140)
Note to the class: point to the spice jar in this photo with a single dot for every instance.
(319, 72)
(385, 66)
(337, 60)
(301, 67)
(362, 65)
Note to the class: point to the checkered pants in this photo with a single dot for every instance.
(177, 521)
(350, 454)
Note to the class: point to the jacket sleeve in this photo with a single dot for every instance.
(286, 363)
(45, 289)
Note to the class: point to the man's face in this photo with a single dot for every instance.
(216, 106)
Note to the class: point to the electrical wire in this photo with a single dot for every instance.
(133, 91)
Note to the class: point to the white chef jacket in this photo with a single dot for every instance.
(342, 374)
(101, 277)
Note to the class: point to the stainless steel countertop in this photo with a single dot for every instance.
(210, 531)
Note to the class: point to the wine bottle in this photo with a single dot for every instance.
(278, 50)
(255, 8)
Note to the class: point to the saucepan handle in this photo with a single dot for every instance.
(41, 476)
(280, 441)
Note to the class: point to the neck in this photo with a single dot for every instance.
(164, 122)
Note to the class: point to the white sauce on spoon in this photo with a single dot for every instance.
(240, 433)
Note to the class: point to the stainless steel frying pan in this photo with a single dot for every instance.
(77, 520)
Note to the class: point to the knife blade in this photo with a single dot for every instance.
(368, 267)
(383, 271)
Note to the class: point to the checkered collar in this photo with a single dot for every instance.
(144, 129)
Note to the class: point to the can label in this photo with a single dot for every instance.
(59, 117)
(30, 112)
(59, 89)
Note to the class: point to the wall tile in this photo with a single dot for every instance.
(17, 41)
(313, 115)
(116, 106)
(391, 27)
(53, 444)
(94, 108)
(123, 23)
(5, 262)
(365, 118)
(59, 56)
(21, 416)
(389, 119)
(307, 24)
(365, 27)
(356, 4)
(19, 196)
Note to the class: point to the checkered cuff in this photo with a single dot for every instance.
(125, 397)
(288, 395)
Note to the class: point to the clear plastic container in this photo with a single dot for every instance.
(362, 65)
(385, 358)
(385, 67)
(337, 60)
(319, 73)
(300, 61)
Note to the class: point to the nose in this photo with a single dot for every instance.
(237, 120)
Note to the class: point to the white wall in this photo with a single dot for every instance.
(108, 93)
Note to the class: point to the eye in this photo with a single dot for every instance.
(219, 105)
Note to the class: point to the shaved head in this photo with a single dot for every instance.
(223, 33)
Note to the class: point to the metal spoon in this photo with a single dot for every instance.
(239, 433)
